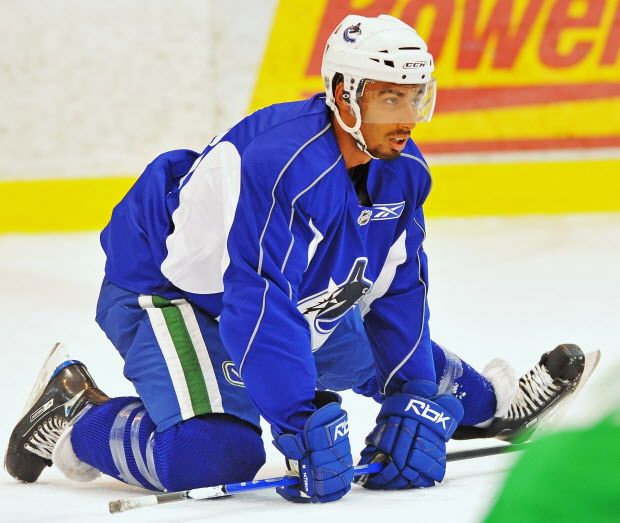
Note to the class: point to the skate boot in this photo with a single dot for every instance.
(538, 395)
(62, 393)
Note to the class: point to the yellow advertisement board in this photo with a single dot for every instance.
(530, 87)
(512, 74)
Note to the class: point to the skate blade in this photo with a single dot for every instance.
(57, 355)
(549, 421)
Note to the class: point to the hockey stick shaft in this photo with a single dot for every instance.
(488, 451)
(122, 505)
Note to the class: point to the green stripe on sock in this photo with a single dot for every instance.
(187, 355)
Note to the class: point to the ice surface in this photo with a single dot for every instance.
(510, 287)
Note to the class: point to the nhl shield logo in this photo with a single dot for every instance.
(364, 217)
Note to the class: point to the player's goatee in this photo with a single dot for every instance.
(378, 153)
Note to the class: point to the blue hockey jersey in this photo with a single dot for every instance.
(264, 230)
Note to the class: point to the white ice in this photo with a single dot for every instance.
(510, 287)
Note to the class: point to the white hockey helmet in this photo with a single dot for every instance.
(383, 49)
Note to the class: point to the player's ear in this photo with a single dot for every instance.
(341, 96)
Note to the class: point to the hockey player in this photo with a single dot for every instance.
(282, 263)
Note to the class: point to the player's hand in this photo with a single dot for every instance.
(412, 429)
(320, 453)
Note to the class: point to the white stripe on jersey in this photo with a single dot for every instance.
(397, 255)
(162, 334)
(262, 236)
(197, 254)
(312, 246)
(423, 320)
(273, 194)
(420, 161)
(294, 201)
(256, 327)
(202, 353)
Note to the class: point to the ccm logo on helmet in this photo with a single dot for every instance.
(414, 65)
(424, 410)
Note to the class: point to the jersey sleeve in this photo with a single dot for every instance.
(396, 311)
(260, 325)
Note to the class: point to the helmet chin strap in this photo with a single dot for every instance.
(354, 131)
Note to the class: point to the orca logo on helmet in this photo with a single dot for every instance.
(352, 30)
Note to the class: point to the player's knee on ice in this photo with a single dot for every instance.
(119, 439)
(207, 450)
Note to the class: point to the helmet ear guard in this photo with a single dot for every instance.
(350, 98)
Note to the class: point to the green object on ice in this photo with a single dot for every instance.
(570, 476)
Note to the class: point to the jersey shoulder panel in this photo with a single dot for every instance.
(285, 120)
(412, 152)
(413, 172)
(295, 159)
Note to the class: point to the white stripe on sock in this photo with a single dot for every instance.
(117, 444)
(137, 455)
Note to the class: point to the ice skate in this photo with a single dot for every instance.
(62, 392)
(541, 391)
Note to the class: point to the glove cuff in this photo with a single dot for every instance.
(324, 428)
(324, 397)
(290, 445)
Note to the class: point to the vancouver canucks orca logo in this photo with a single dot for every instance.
(350, 32)
(324, 310)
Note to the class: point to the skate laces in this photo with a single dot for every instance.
(45, 437)
(535, 390)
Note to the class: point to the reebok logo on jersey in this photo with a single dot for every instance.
(424, 410)
(387, 211)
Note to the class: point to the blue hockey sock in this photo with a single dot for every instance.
(208, 450)
(468, 385)
(119, 439)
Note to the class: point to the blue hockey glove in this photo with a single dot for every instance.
(320, 453)
(412, 429)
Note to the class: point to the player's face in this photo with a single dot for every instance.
(389, 114)
(386, 141)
